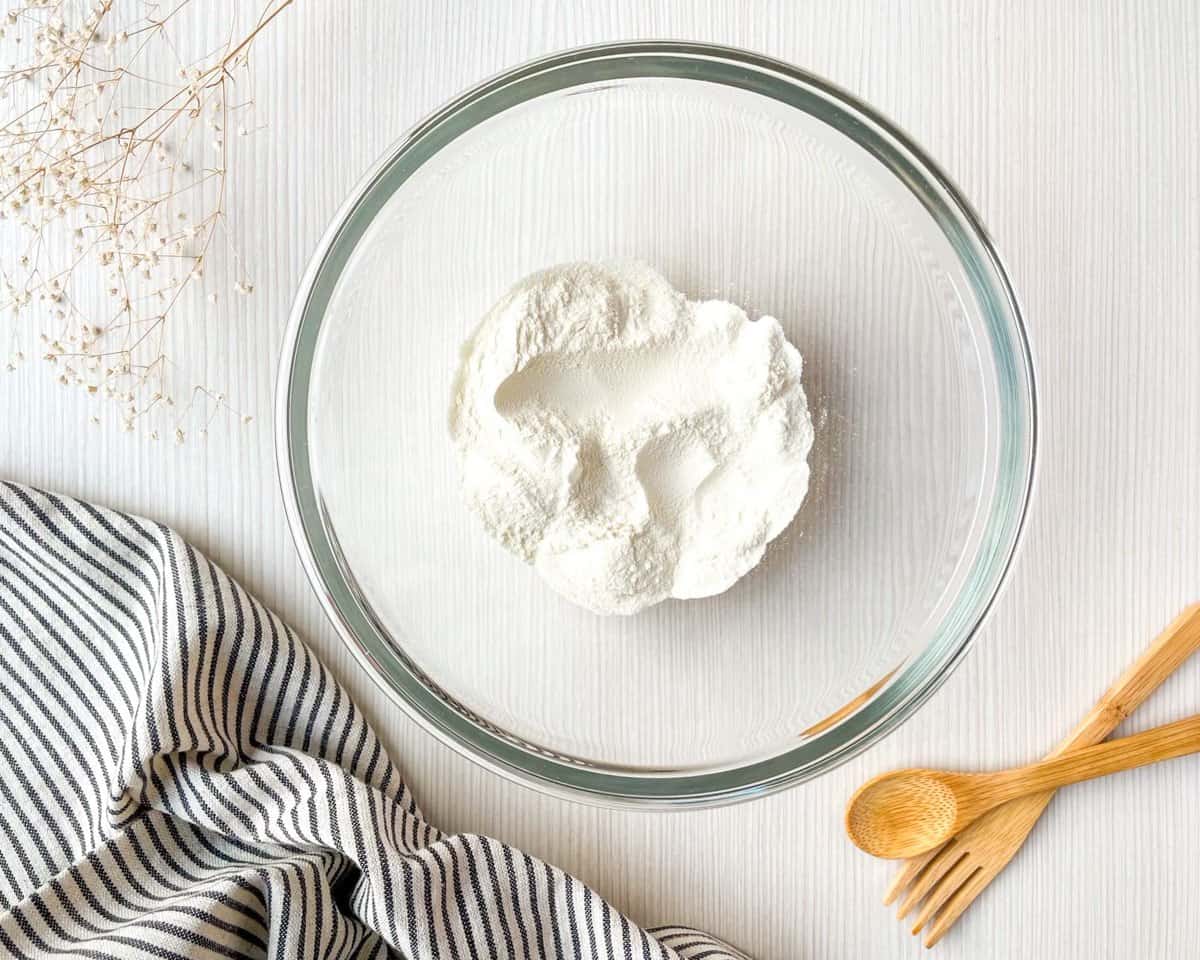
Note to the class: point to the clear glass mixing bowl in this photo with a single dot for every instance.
(737, 177)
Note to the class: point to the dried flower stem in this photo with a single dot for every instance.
(105, 154)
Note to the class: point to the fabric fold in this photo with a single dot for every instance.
(181, 777)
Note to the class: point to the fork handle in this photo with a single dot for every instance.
(1174, 645)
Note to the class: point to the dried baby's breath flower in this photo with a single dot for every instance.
(110, 160)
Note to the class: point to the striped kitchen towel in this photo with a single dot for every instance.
(180, 777)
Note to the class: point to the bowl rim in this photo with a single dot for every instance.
(416, 693)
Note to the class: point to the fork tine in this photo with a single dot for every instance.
(948, 857)
(953, 908)
(963, 871)
(908, 873)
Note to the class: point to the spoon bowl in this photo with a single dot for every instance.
(904, 813)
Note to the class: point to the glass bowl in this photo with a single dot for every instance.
(737, 177)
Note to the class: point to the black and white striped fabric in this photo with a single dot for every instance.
(180, 777)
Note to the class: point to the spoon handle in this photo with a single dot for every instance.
(1161, 743)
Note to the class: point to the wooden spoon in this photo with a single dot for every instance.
(906, 812)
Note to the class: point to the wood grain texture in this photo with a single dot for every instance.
(1075, 129)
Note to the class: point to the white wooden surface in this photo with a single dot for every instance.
(1075, 128)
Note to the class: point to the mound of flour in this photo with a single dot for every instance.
(629, 443)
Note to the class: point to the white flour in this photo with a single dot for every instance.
(629, 443)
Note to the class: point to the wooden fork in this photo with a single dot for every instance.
(946, 880)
